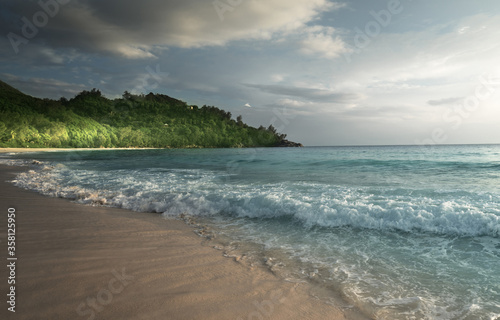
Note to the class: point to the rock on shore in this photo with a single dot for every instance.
(287, 143)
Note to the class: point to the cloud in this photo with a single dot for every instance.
(383, 112)
(447, 101)
(43, 87)
(322, 42)
(422, 69)
(135, 29)
(248, 105)
(292, 103)
(277, 77)
(291, 107)
(309, 94)
(433, 55)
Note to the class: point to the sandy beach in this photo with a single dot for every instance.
(83, 262)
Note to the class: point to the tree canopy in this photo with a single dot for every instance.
(91, 120)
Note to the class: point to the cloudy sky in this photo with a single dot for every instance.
(354, 72)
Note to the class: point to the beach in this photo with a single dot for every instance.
(91, 262)
(276, 233)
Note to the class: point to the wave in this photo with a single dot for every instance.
(207, 193)
(403, 163)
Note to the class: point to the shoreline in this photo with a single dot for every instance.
(22, 150)
(77, 261)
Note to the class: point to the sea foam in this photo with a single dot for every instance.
(199, 192)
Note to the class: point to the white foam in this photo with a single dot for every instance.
(177, 191)
(15, 162)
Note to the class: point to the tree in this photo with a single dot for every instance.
(239, 120)
(3, 131)
(271, 129)
(127, 95)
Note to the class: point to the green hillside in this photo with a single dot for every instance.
(91, 120)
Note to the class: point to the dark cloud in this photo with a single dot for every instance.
(43, 88)
(134, 29)
(308, 94)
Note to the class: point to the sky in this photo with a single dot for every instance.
(367, 72)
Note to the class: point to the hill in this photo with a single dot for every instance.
(91, 120)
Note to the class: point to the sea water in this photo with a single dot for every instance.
(399, 232)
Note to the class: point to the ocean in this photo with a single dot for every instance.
(397, 232)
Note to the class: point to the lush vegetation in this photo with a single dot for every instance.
(91, 120)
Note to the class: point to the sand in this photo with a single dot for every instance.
(83, 262)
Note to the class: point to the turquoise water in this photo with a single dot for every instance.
(399, 232)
